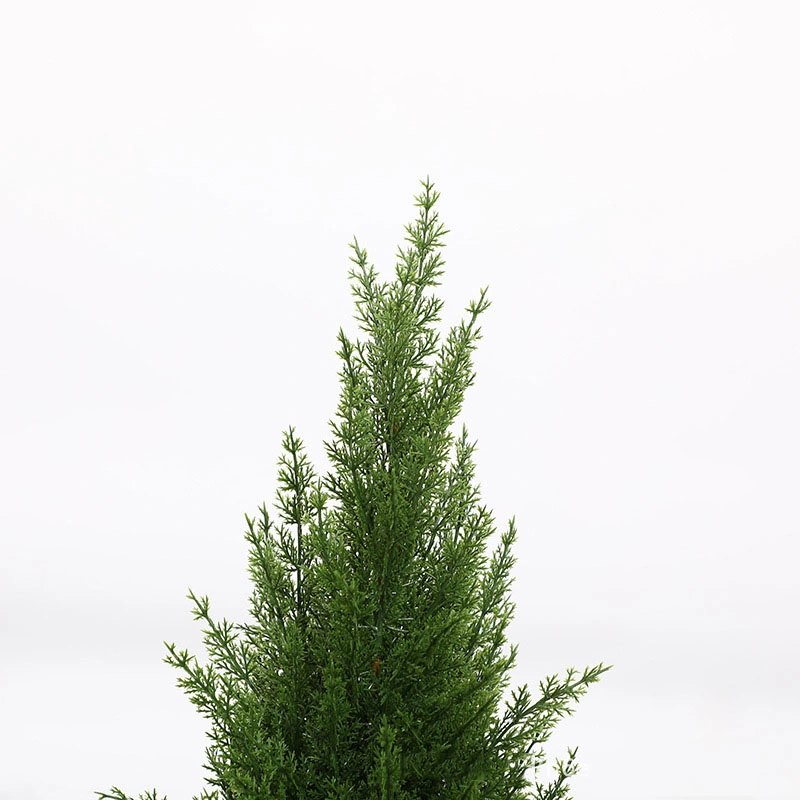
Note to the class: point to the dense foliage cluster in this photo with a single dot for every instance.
(374, 663)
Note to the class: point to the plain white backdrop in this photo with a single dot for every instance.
(178, 186)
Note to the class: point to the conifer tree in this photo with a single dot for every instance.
(374, 664)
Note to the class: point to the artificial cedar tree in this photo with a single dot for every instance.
(374, 663)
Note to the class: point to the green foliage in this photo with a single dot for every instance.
(374, 663)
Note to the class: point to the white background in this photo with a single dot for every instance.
(178, 185)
